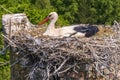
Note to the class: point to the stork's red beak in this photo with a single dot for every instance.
(43, 21)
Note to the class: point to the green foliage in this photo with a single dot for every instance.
(5, 72)
(4, 69)
(88, 11)
(70, 12)
(1, 41)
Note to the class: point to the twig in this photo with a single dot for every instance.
(116, 25)
(61, 72)
(4, 49)
(6, 9)
(61, 66)
(48, 73)
(18, 60)
(12, 43)
(1, 62)
(5, 63)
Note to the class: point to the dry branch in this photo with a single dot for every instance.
(53, 52)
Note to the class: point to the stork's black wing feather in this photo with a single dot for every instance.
(88, 30)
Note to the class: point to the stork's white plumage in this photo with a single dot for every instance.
(67, 31)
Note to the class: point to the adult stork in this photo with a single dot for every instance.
(67, 31)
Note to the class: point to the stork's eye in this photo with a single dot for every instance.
(50, 15)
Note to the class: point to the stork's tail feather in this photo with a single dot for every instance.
(92, 30)
(89, 30)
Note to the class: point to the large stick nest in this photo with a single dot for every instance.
(51, 56)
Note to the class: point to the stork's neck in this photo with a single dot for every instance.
(51, 26)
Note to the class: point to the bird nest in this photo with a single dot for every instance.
(65, 58)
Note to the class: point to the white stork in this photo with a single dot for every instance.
(67, 31)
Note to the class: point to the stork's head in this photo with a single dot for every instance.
(53, 16)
